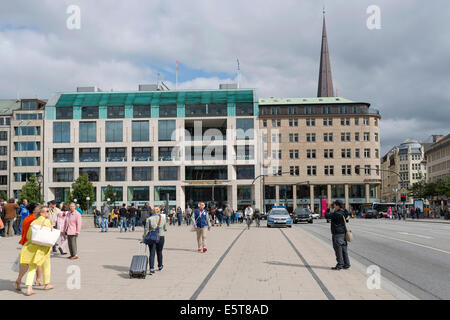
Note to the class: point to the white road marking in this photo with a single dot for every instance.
(413, 234)
(413, 243)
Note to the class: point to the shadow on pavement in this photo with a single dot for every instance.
(8, 285)
(179, 249)
(124, 271)
(277, 263)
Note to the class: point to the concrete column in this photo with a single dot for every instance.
(294, 196)
(234, 196)
(277, 195)
(347, 203)
(257, 196)
(311, 196)
(152, 196)
(181, 198)
(368, 192)
(329, 197)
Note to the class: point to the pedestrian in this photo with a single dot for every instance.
(413, 212)
(123, 214)
(228, 212)
(97, 218)
(188, 215)
(73, 229)
(35, 213)
(53, 214)
(2, 218)
(10, 217)
(79, 209)
(172, 216)
(105, 212)
(201, 221)
(33, 255)
(338, 231)
(236, 216)
(155, 223)
(390, 213)
(132, 213)
(179, 216)
(220, 215)
(61, 224)
(23, 213)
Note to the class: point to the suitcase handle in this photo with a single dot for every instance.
(140, 248)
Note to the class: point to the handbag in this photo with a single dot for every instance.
(348, 232)
(44, 236)
(153, 236)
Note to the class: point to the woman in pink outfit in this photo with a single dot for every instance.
(390, 213)
(72, 230)
(61, 223)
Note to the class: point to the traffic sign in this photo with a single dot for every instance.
(403, 190)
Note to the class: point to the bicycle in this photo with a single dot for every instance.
(249, 221)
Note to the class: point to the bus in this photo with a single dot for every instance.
(380, 208)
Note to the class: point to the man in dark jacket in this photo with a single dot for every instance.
(338, 231)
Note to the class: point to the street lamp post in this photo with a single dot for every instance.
(87, 199)
(39, 179)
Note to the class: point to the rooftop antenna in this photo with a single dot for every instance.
(238, 73)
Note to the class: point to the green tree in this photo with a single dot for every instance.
(81, 189)
(110, 194)
(3, 195)
(418, 190)
(30, 191)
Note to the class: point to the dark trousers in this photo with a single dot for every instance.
(340, 249)
(72, 240)
(156, 248)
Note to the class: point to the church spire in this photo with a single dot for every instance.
(325, 78)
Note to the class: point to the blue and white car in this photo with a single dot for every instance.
(279, 216)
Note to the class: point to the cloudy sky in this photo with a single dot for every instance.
(402, 69)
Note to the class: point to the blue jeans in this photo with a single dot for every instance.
(220, 219)
(180, 220)
(228, 221)
(123, 223)
(15, 227)
(20, 225)
(132, 222)
(104, 224)
(156, 248)
(97, 221)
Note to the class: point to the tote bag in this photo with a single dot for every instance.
(44, 236)
(348, 232)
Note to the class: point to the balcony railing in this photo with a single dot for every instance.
(167, 158)
(142, 158)
(116, 159)
(245, 157)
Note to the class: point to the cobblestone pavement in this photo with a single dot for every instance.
(260, 263)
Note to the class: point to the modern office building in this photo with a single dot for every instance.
(438, 159)
(189, 146)
(26, 143)
(7, 107)
(312, 147)
(406, 159)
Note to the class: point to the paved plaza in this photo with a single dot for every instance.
(260, 263)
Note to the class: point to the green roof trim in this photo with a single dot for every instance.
(92, 99)
(306, 101)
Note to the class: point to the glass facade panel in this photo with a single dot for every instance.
(162, 192)
(62, 174)
(93, 173)
(206, 173)
(140, 131)
(245, 172)
(27, 146)
(89, 113)
(23, 177)
(138, 194)
(244, 109)
(142, 154)
(114, 131)
(27, 131)
(115, 174)
(142, 174)
(116, 112)
(217, 110)
(90, 155)
(29, 105)
(27, 161)
(62, 194)
(62, 155)
(61, 132)
(338, 191)
(64, 113)
(141, 112)
(116, 154)
(244, 129)
(356, 191)
(118, 193)
(88, 132)
(168, 111)
(168, 173)
(166, 130)
(196, 110)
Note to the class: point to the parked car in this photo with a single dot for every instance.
(315, 215)
(370, 214)
(302, 215)
(279, 216)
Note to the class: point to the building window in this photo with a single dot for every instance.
(293, 122)
(346, 170)
(168, 173)
(366, 121)
(276, 138)
(275, 111)
(90, 155)
(326, 110)
(377, 154)
(244, 129)
(293, 110)
(27, 161)
(3, 150)
(141, 112)
(356, 136)
(115, 174)
(92, 173)
(140, 131)
(329, 170)
(376, 137)
(265, 123)
(276, 123)
(245, 172)
(116, 154)
(62, 155)
(310, 137)
(192, 110)
(64, 113)
(366, 153)
(293, 137)
(328, 153)
(310, 122)
(166, 130)
(309, 110)
(345, 121)
(294, 171)
(3, 165)
(142, 174)
(328, 137)
(312, 170)
(327, 122)
(62, 174)
(61, 132)
(366, 136)
(29, 105)
(27, 146)
(88, 113)
(163, 193)
(367, 170)
(23, 177)
(118, 193)
(3, 135)
(167, 154)
(116, 112)
(142, 154)
(27, 131)
(311, 154)
(114, 131)
(138, 194)
(343, 109)
(356, 121)
(242, 109)
(88, 132)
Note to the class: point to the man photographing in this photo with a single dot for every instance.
(338, 231)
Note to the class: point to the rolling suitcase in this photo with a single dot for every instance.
(138, 268)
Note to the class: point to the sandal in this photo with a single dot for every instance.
(17, 285)
(38, 283)
(49, 287)
(30, 293)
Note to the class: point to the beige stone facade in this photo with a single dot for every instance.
(438, 160)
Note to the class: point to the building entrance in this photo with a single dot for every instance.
(194, 195)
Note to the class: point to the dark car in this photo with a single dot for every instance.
(302, 215)
(370, 214)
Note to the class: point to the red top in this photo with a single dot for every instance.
(25, 226)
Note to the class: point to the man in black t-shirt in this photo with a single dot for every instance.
(123, 216)
(132, 212)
